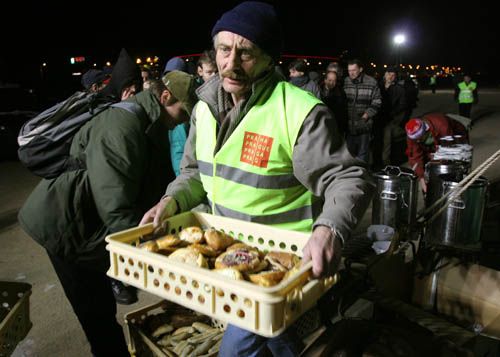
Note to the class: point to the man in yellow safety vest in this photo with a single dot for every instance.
(466, 95)
(262, 150)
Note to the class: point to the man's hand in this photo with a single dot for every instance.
(325, 250)
(167, 207)
(365, 116)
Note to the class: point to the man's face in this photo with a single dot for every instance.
(206, 71)
(467, 79)
(177, 114)
(390, 77)
(294, 73)
(331, 80)
(240, 63)
(354, 71)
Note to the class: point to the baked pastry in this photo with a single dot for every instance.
(282, 261)
(168, 241)
(240, 245)
(267, 278)
(192, 235)
(204, 249)
(150, 246)
(242, 260)
(218, 240)
(189, 256)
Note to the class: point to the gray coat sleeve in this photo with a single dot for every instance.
(187, 188)
(324, 166)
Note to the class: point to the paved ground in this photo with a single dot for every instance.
(56, 331)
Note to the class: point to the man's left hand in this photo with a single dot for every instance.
(325, 250)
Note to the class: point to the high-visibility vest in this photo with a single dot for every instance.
(466, 92)
(251, 176)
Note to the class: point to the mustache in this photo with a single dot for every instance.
(234, 75)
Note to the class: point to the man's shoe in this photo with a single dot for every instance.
(125, 295)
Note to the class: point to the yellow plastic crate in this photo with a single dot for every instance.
(14, 315)
(265, 311)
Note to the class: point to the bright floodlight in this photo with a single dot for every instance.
(399, 39)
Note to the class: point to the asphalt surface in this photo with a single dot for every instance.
(56, 331)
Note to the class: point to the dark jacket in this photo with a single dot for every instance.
(363, 95)
(128, 167)
(394, 103)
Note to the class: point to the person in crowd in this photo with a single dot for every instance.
(299, 77)
(255, 139)
(392, 112)
(410, 86)
(423, 136)
(363, 104)
(207, 67)
(466, 95)
(175, 64)
(125, 165)
(94, 80)
(337, 68)
(181, 86)
(146, 77)
(433, 83)
(332, 94)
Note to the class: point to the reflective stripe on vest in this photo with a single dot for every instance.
(251, 176)
(466, 92)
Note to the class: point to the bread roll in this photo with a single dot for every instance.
(150, 246)
(192, 235)
(168, 241)
(230, 273)
(286, 260)
(217, 239)
(189, 256)
(204, 249)
(267, 278)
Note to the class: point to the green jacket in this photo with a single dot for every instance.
(128, 167)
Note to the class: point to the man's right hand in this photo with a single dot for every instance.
(167, 207)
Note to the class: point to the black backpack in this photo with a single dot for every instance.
(45, 141)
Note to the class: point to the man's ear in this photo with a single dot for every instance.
(165, 97)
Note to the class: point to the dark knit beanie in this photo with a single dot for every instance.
(257, 22)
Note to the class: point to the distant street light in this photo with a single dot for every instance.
(399, 40)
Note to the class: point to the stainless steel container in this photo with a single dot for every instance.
(395, 201)
(435, 168)
(459, 225)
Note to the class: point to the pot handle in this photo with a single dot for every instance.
(459, 204)
(388, 195)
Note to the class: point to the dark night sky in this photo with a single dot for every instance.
(437, 33)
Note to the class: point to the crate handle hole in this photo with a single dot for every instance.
(156, 282)
(183, 279)
(195, 284)
(127, 272)
(178, 290)
(121, 259)
(227, 308)
(189, 295)
(240, 313)
(241, 236)
(171, 276)
(130, 262)
(160, 271)
(151, 269)
(166, 286)
(234, 297)
(247, 302)
(201, 299)
(261, 240)
(220, 292)
(250, 238)
(136, 275)
(294, 248)
(282, 245)
(271, 243)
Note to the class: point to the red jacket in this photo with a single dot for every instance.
(439, 125)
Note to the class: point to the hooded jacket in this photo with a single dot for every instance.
(127, 164)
